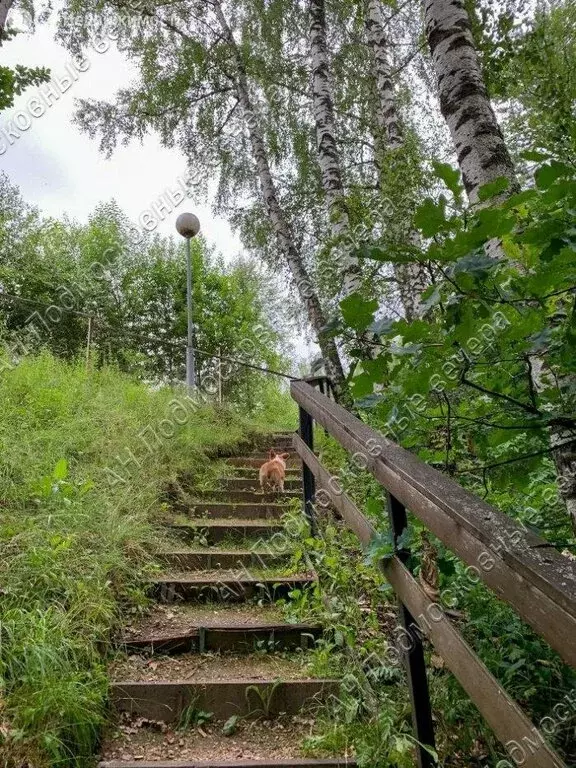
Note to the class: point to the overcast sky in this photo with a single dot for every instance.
(62, 171)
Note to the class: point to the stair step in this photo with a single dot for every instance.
(222, 628)
(238, 510)
(265, 744)
(167, 701)
(253, 484)
(228, 586)
(246, 470)
(249, 497)
(217, 530)
(293, 463)
(211, 558)
(277, 442)
(296, 763)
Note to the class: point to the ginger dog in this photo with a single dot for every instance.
(273, 472)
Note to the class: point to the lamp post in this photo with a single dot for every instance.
(188, 226)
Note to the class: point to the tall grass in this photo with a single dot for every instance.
(75, 541)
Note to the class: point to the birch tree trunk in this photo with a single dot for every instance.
(387, 115)
(483, 157)
(411, 280)
(328, 155)
(482, 152)
(280, 224)
(5, 6)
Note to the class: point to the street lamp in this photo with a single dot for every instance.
(188, 226)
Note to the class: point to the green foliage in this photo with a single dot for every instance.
(191, 716)
(76, 547)
(135, 287)
(459, 385)
(13, 82)
(476, 386)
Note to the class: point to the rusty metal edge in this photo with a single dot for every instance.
(182, 639)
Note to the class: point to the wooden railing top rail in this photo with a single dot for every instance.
(501, 712)
(521, 568)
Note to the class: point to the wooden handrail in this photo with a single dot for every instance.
(501, 712)
(520, 567)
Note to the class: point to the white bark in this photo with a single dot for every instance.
(482, 152)
(328, 155)
(483, 157)
(387, 115)
(5, 6)
(280, 224)
(412, 281)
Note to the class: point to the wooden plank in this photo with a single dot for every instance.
(538, 582)
(509, 723)
(222, 509)
(213, 559)
(503, 715)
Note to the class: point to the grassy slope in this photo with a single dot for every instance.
(74, 546)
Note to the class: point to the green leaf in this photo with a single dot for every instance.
(554, 247)
(405, 349)
(333, 327)
(546, 175)
(478, 265)
(533, 156)
(231, 725)
(382, 325)
(60, 470)
(430, 217)
(493, 188)
(374, 507)
(377, 367)
(568, 351)
(405, 539)
(362, 385)
(370, 401)
(380, 547)
(515, 201)
(358, 313)
(433, 297)
(451, 177)
(372, 252)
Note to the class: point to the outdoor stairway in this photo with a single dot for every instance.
(213, 676)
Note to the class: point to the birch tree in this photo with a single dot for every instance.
(282, 228)
(203, 101)
(483, 158)
(327, 147)
(411, 279)
(478, 141)
(5, 6)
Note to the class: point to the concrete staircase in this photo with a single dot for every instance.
(214, 677)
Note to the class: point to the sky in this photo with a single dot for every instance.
(61, 170)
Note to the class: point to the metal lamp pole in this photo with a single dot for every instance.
(188, 226)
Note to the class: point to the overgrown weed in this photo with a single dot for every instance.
(76, 543)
